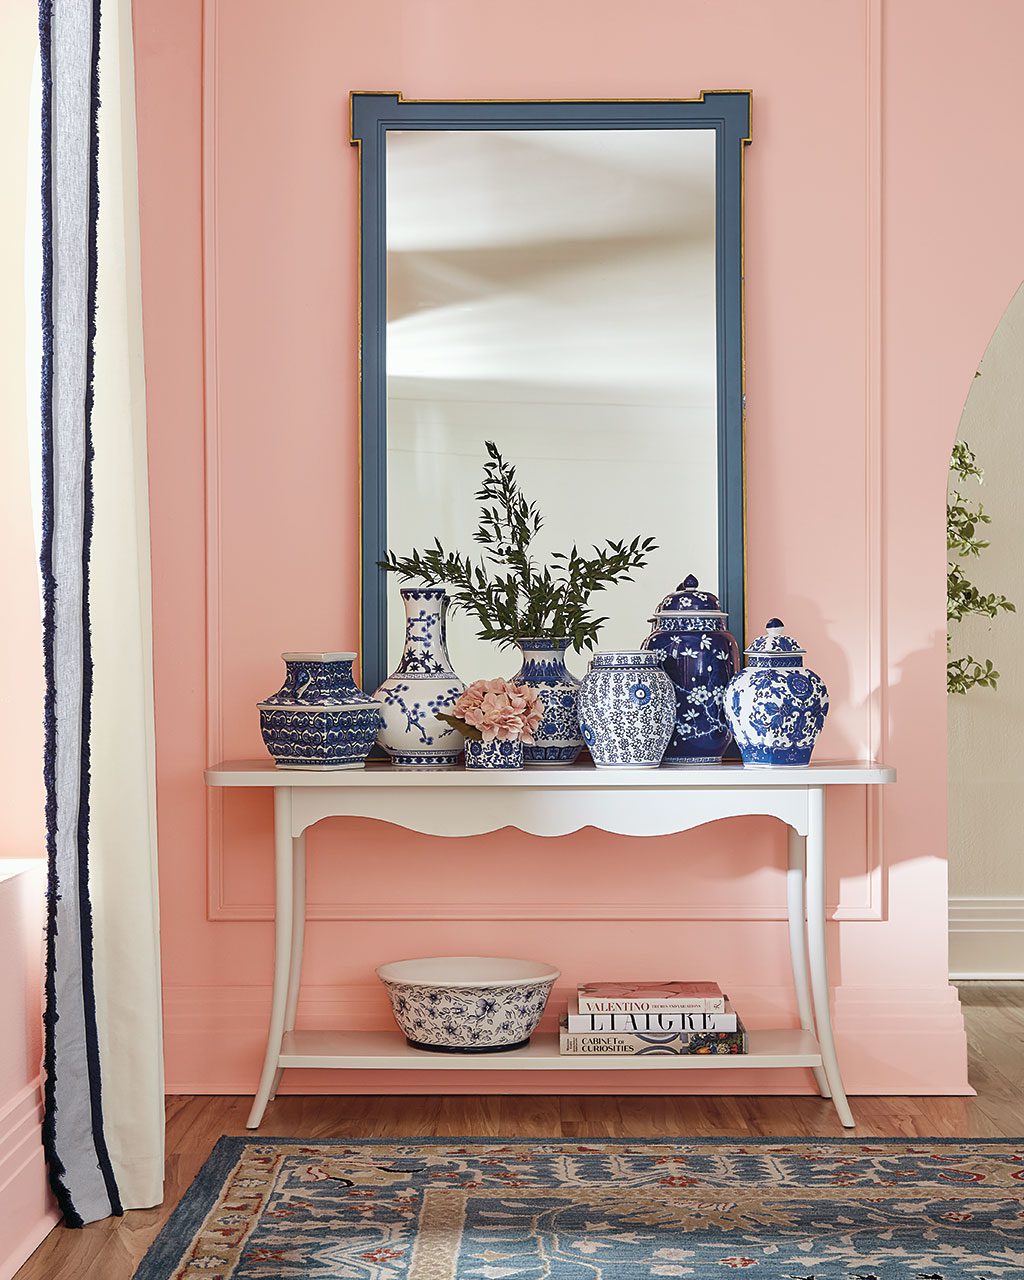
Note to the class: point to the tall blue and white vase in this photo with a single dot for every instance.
(421, 685)
(319, 718)
(557, 741)
(776, 706)
(701, 657)
(627, 709)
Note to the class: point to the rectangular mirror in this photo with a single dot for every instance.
(564, 279)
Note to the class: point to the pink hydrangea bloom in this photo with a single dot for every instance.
(500, 709)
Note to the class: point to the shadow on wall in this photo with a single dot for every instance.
(986, 726)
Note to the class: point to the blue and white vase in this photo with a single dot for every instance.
(319, 718)
(627, 709)
(422, 685)
(776, 706)
(493, 755)
(701, 657)
(557, 740)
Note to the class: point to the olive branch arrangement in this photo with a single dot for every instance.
(523, 599)
(963, 598)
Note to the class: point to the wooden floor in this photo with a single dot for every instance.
(111, 1250)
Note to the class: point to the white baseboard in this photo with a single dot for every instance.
(986, 938)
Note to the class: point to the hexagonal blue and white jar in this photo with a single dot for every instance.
(776, 706)
(627, 709)
(319, 718)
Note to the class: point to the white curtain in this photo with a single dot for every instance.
(105, 1113)
(122, 831)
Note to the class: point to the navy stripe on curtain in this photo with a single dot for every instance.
(79, 1164)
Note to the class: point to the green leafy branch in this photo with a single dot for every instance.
(506, 591)
(964, 519)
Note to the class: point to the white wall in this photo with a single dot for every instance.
(986, 728)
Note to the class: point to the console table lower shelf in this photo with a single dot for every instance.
(389, 1051)
(635, 802)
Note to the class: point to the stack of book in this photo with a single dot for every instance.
(624, 1018)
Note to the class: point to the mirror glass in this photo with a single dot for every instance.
(554, 290)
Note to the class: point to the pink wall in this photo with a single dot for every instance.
(882, 242)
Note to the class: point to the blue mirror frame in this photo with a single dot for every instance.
(372, 115)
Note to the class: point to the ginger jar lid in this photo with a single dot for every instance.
(688, 599)
(774, 640)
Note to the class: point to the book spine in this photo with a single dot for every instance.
(670, 1004)
(652, 1022)
(625, 1044)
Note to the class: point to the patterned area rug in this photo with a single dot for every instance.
(472, 1209)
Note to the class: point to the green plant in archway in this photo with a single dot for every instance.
(964, 516)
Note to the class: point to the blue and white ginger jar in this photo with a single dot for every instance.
(627, 709)
(776, 706)
(558, 740)
(421, 685)
(319, 718)
(701, 657)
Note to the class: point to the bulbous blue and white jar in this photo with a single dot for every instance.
(319, 718)
(421, 685)
(557, 740)
(776, 706)
(627, 709)
(701, 657)
(496, 754)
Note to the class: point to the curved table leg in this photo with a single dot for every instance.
(298, 938)
(796, 906)
(816, 950)
(283, 876)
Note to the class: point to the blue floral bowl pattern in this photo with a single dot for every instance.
(558, 740)
(493, 755)
(776, 706)
(627, 709)
(468, 1004)
(319, 718)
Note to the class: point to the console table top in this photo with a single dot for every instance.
(824, 773)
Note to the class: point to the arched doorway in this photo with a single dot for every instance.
(986, 723)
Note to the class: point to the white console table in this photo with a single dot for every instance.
(551, 802)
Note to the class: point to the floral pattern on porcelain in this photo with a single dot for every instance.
(469, 1019)
(319, 718)
(421, 685)
(701, 657)
(493, 755)
(627, 709)
(558, 740)
(776, 706)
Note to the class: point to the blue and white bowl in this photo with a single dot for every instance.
(468, 1004)
(627, 709)
(319, 718)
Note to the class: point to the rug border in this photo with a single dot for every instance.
(201, 1194)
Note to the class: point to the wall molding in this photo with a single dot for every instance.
(873, 906)
(986, 915)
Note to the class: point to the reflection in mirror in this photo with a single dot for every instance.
(554, 291)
